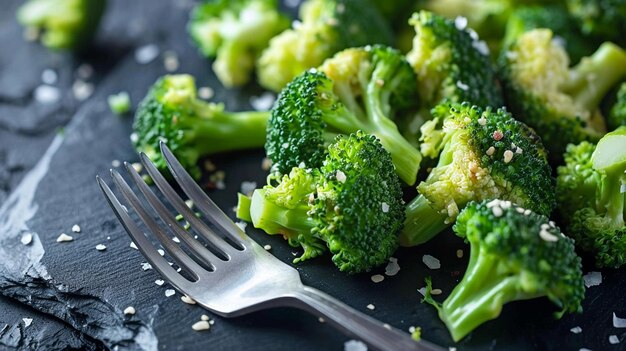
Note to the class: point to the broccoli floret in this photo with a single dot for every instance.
(591, 191)
(482, 155)
(554, 17)
(617, 115)
(515, 255)
(191, 128)
(325, 27)
(358, 89)
(351, 205)
(62, 24)
(451, 64)
(235, 32)
(560, 103)
(601, 18)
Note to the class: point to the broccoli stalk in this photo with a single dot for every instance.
(609, 158)
(617, 113)
(422, 217)
(515, 255)
(192, 128)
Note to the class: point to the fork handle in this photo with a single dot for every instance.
(356, 324)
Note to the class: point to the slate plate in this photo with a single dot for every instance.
(87, 290)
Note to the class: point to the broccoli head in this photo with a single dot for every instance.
(560, 103)
(451, 63)
(603, 19)
(351, 205)
(191, 128)
(234, 32)
(515, 254)
(325, 27)
(591, 191)
(617, 115)
(62, 24)
(483, 154)
(357, 89)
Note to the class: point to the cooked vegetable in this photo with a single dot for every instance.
(601, 18)
(617, 115)
(119, 103)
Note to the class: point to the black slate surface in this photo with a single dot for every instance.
(76, 294)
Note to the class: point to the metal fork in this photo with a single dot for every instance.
(237, 276)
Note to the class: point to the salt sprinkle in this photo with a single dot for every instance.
(490, 151)
(146, 53)
(46, 94)
(101, 247)
(134, 137)
(508, 156)
(431, 262)
(481, 47)
(116, 163)
(201, 325)
(392, 267)
(354, 345)
(205, 93)
(170, 292)
(371, 307)
(576, 330)
(48, 76)
(377, 278)
(133, 246)
(321, 320)
(618, 322)
(482, 121)
(411, 329)
(436, 292)
(460, 22)
(247, 187)
(138, 167)
(188, 300)
(341, 177)
(84, 71)
(385, 207)
(266, 164)
(613, 339)
(161, 252)
(170, 61)
(422, 291)
(547, 236)
(459, 253)
(462, 86)
(27, 239)
(242, 225)
(175, 239)
(27, 322)
(189, 203)
(130, 310)
(204, 317)
(267, 247)
(76, 228)
(146, 266)
(64, 238)
(82, 90)
(592, 279)
(159, 282)
(263, 102)
(497, 211)
(387, 326)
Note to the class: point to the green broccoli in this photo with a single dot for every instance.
(325, 27)
(235, 32)
(617, 115)
(357, 89)
(554, 17)
(591, 189)
(604, 19)
(352, 204)
(62, 24)
(482, 155)
(515, 255)
(119, 103)
(451, 65)
(191, 128)
(560, 103)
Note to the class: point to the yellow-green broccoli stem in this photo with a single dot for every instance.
(609, 158)
(243, 207)
(422, 222)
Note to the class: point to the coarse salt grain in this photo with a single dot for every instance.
(159, 282)
(482, 121)
(175, 239)
(371, 307)
(618, 322)
(138, 167)
(64, 238)
(490, 151)
(462, 85)
(576, 330)
(201, 325)
(247, 187)
(263, 102)
(392, 267)
(377, 278)
(547, 236)
(146, 54)
(27, 239)
(146, 266)
(133, 246)
(613, 339)
(354, 345)
(206, 93)
(241, 225)
(341, 177)
(204, 317)
(82, 90)
(48, 76)
(508, 156)
(130, 310)
(497, 211)
(431, 262)
(188, 300)
(266, 164)
(385, 207)
(170, 292)
(76, 228)
(267, 247)
(101, 247)
(459, 253)
(46, 94)
(436, 292)
(460, 22)
(592, 279)
(321, 320)
(116, 163)
(170, 61)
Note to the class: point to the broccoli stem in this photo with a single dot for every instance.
(480, 295)
(595, 75)
(243, 207)
(422, 222)
(275, 219)
(217, 131)
(612, 197)
(233, 64)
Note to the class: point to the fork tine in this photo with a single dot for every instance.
(201, 200)
(214, 240)
(174, 250)
(196, 248)
(143, 244)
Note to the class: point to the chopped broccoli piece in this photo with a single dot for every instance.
(451, 65)
(358, 89)
(235, 32)
(601, 18)
(325, 27)
(617, 115)
(515, 255)
(191, 128)
(119, 103)
(351, 205)
(591, 189)
(482, 155)
(560, 103)
(62, 24)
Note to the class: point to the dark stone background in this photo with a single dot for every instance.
(75, 294)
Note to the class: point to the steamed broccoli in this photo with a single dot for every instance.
(451, 65)
(352, 204)
(325, 27)
(234, 32)
(560, 103)
(62, 24)
(554, 17)
(617, 115)
(191, 128)
(357, 89)
(591, 191)
(515, 255)
(482, 155)
(604, 19)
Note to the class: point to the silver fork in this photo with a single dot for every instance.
(241, 277)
